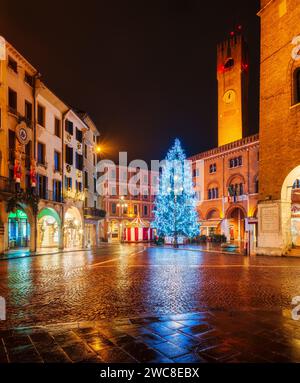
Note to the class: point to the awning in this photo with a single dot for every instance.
(138, 222)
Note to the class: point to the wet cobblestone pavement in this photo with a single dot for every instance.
(149, 305)
(203, 337)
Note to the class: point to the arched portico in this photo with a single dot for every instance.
(236, 223)
(233, 226)
(49, 228)
(212, 223)
(73, 228)
(290, 209)
(20, 228)
(279, 221)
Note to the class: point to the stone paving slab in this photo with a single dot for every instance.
(204, 337)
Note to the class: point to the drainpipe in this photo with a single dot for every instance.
(63, 176)
(36, 77)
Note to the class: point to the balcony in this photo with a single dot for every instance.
(74, 195)
(6, 185)
(93, 213)
(234, 199)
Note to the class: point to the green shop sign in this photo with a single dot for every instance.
(18, 214)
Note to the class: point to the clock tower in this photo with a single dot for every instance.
(232, 76)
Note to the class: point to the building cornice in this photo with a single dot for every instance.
(20, 57)
(265, 7)
(228, 148)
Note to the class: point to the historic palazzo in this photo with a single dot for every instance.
(249, 187)
(48, 150)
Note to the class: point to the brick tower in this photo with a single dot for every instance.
(232, 76)
(279, 167)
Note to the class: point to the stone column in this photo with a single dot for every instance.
(33, 231)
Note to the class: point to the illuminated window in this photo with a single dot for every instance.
(236, 162)
(212, 168)
(68, 183)
(213, 193)
(236, 189)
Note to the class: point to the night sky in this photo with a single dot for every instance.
(144, 70)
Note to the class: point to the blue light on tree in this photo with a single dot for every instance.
(175, 205)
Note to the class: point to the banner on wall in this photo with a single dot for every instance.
(2, 48)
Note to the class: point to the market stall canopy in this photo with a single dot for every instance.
(138, 222)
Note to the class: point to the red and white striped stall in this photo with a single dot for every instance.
(138, 231)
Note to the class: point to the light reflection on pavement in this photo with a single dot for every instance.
(124, 280)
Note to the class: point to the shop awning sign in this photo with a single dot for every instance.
(2, 48)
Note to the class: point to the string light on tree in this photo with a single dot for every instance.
(175, 205)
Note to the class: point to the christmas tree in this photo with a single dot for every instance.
(175, 205)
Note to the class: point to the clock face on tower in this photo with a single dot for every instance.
(229, 97)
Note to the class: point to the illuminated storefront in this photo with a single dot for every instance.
(48, 228)
(18, 229)
(73, 229)
(295, 225)
(90, 234)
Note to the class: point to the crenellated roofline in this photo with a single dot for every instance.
(250, 140)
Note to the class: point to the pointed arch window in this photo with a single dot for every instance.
(297, 86)
(229, 63)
